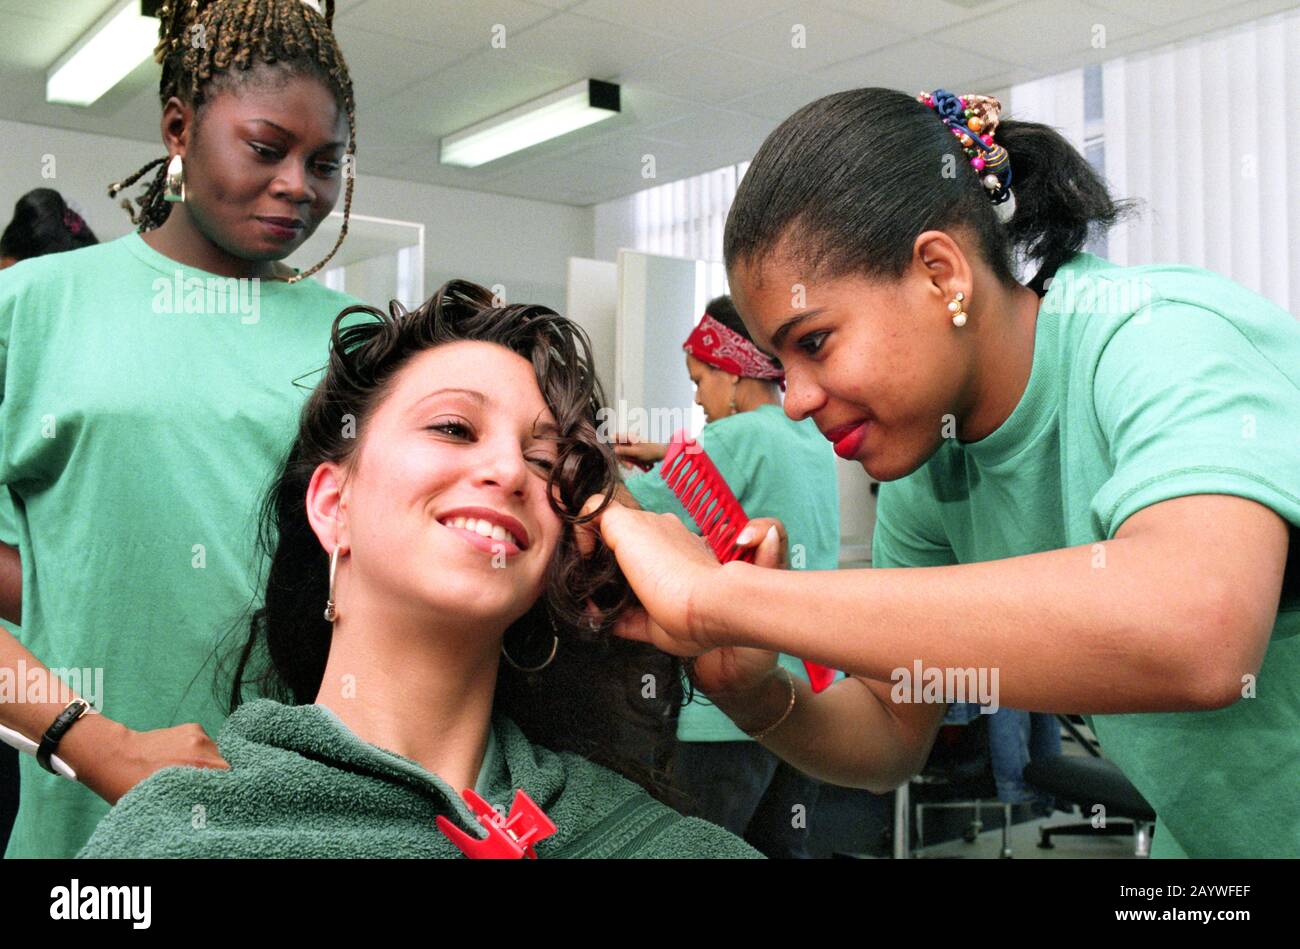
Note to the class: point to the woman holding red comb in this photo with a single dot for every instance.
(777, 466)
(1098, 465)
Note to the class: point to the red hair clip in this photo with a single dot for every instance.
(508, 838)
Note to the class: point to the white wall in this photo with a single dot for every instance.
(519, 243)
(614, 227)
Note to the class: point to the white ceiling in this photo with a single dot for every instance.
(703, 81)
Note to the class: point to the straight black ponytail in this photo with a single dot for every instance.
(845, 184)
(1061, 201)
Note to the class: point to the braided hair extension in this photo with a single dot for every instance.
(236, 35)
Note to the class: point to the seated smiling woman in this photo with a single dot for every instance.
(430, 500)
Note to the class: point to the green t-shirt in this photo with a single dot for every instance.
(1148, 383)
(144, 410)
(776, 468)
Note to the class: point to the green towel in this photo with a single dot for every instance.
(301, 784)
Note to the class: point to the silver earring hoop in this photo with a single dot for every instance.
(331, 614)
(174, 186)
(956, 306)
(555, 645)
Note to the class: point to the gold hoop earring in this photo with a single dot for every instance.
(331, 614)
(174, 186)
(957, 308)
(733, 397)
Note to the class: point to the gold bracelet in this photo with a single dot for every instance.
(763, 733)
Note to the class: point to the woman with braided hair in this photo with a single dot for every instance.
(148, 387)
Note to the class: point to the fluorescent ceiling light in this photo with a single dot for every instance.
(106, 53)
(551, 116)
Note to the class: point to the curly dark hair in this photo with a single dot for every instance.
(587, 700)
(236, 36)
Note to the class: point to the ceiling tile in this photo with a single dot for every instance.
(1162, 12)
(486, 84)
(716, 125)
(691, 20)
(587, 48)
(424, 166)
(912, 66)
(79, 13)
(1040, 32)
(627, 154)
(920, 16)
(777, 102)
(381, 65)
(809, 36)
(569, 177)
(644, 108)
(450, 23)
(704, 75)
(30, 40)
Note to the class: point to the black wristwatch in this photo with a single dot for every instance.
(50, 740)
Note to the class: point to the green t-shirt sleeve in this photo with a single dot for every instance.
(907, 532)
(1188, 404)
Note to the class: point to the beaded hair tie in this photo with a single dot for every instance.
(974, 120)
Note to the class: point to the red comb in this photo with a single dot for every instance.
(694, 478)
(696, 481)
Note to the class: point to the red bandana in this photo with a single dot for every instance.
(715, 344)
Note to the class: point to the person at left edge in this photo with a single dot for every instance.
(42, 224)
(149, 386)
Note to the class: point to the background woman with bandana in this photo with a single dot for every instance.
(777, 468)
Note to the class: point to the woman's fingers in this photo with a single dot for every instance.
(586, 535)
(768, 535)
(667, 566)
(645, 453)
(771, 550)
(635, 624)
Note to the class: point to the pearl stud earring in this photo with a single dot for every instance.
(957, 309)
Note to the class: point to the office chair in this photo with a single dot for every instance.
(1088, 781)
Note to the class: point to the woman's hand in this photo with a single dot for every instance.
(733, 670)
(110, 758)
(634, 453)
(667, 566)
(672, 571)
